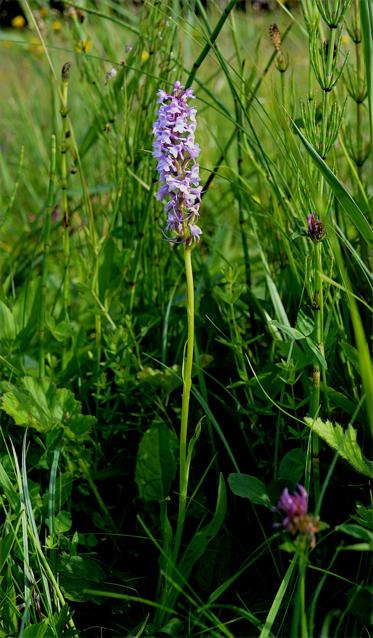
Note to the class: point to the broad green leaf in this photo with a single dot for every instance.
(156, 462)
(39, 404)
(62, 522)
(352, 209)
(292, 465)
(249, 487)
(78, 573)
(168, 378)
(344, 442)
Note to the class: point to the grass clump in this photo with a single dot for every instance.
(116, 519)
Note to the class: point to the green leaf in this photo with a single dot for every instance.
(202, 537)
(156, 462)
(7, 485)
(277, 602)
(360, 603)
(6, 544)
(37, 631)
(304, 324)
(40, 405)
(249, 487)
(315, 350)
(344, 442)
(62, 522)
(293, 333)
(354, 212)
(356, 531)
(292, 465)
(78, 573)
(169, 378)
(7, 323)
(364, 515)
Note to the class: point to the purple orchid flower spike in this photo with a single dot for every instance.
(176, 152)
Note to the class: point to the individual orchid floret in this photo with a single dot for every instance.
(294, 508)
(316, 228)
(176, 153)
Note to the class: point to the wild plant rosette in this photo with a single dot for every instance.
(176, 152)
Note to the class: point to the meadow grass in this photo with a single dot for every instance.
(127, 510)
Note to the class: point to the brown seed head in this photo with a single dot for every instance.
(275, 35)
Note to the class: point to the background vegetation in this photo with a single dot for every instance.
(93, 322)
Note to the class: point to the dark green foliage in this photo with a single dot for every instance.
(93, 324)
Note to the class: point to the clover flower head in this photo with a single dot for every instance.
(176, 152)
(296, 518)
(316, 228)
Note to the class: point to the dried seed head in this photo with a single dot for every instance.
(275, 35)
(65, 73)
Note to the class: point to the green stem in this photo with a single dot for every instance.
(54, 583)
(87, 475)
(65, 204)
(302, 596)
(46, 249)
(187, 385)
(318, 339)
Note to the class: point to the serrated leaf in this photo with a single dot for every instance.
(344, 442)
(249, 487)
(156, 462)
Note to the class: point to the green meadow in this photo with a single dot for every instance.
(186, 383)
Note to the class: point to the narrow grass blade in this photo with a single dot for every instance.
(347, 202)
(266, 631)
(366, 15)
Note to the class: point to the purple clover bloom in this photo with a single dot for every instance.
(316, 228)
(176, 153)
(296, 518)
(293, 505)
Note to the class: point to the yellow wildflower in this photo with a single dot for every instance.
(145, 56)
(84, 46)
(56, 25)
(18, 22)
